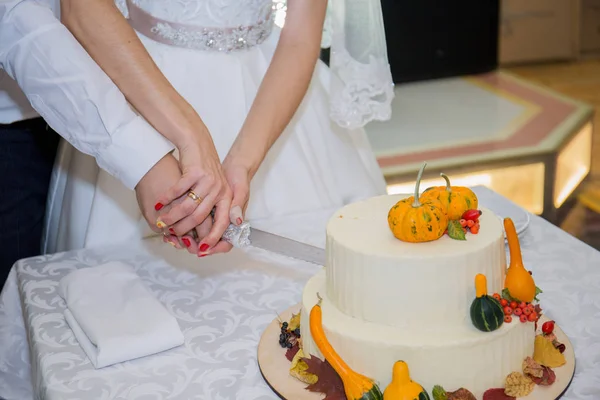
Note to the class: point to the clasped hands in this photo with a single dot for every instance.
(194, 200)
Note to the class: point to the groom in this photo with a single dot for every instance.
(47, 73)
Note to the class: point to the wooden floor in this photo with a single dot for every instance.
(579, 80)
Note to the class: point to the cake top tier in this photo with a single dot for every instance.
(373, 276)
(363, 225)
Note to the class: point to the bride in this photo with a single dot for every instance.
(246, 104)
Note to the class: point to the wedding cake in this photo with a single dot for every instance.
(404, 292)
(384, 300)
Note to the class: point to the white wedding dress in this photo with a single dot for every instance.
(315, 167)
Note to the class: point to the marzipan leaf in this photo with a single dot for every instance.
(294, 322)
(547, 379)
(461, 394)
(518, 385)
(439, 393)
(551, 337)
(292, 351)
(544, 353)
(537, 291)
(299, 369)
(506, 295)
(328, 381)
(455, 231)
(496, 394)
(532, 368)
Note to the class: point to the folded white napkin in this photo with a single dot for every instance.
(114, 316)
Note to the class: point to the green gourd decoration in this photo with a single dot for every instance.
(486, 312)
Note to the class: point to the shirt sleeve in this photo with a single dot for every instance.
(72, 93)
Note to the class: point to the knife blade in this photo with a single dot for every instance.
(244, 235)
(287, 247)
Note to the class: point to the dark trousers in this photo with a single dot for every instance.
(27, 152)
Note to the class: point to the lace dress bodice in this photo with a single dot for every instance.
(205, 13)
(361, 89)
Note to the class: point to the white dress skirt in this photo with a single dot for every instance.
(315, 167)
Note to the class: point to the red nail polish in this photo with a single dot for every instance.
(186, 241)
(172, 230)
(158, 206)
(204, 247)
(239, 221)
(202, 255)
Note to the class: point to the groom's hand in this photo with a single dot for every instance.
(162, 176)
(158, 179)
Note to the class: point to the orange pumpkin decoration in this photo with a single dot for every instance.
(455, 199)
(414, 220)
(518, 281)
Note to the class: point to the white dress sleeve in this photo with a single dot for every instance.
(362, 88)
(72, 93)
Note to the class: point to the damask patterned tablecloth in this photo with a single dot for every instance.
(223, 304)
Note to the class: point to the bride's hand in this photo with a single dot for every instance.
(238, 177)
(205, 187)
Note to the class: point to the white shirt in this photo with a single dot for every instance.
(72, 93)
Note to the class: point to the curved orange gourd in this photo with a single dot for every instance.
(518, 281)
(356, 386)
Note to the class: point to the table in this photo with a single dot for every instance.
(223, 303)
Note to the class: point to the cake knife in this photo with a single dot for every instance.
(243, 236)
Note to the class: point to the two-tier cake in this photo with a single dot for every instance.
(403, 299)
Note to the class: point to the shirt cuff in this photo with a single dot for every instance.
(134, 149)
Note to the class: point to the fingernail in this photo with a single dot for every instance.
(202, 255)
(172, 230)
(171, 243)
(186, 241)
(204, 247)
(160, 224)
(235, 214)
(158, 206)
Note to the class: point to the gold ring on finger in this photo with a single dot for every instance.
(194, 197)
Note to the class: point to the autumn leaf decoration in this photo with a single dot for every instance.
(329, 382)
(455, 231)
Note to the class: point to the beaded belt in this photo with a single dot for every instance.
(199, 38)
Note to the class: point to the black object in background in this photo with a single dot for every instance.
(428, 39)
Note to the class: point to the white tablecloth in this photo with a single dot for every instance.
(223, 304)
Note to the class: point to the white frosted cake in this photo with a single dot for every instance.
(386, 300)
(416, 297)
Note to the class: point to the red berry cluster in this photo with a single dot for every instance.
(470, 225)
(469, 222)
(524, 311)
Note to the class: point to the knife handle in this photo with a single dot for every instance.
(238, 235)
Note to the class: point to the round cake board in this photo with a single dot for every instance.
(275, 367)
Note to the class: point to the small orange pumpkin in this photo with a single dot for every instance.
(414, 220)
(455, 199)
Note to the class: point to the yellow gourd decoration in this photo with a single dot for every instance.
(356, 386)
(518, 281)
(455, 199)
(412, 220)
(402, 387)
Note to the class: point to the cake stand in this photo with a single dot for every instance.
(275, 367)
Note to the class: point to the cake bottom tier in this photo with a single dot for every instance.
(466, 358)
